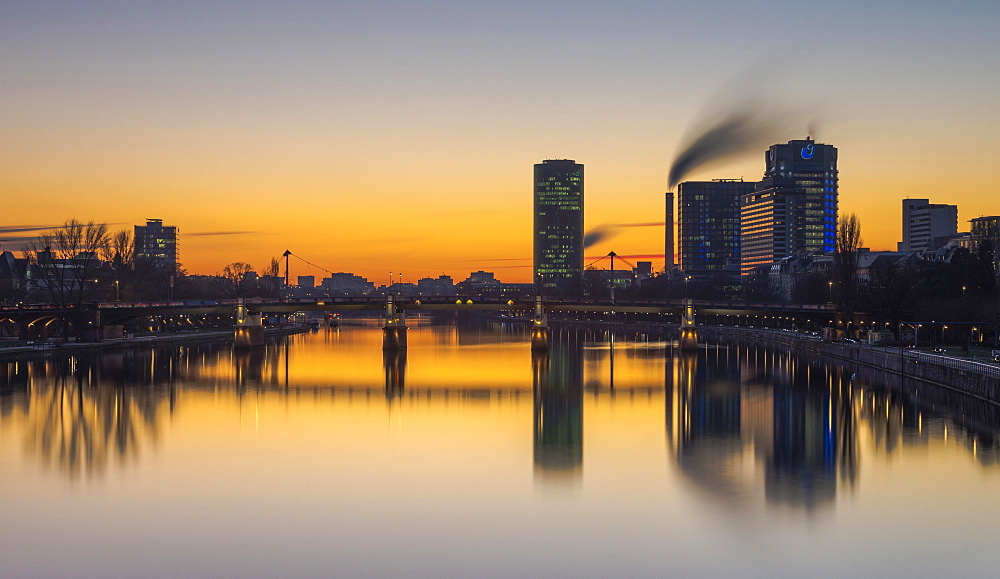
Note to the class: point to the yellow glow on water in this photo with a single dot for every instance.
(638, 439)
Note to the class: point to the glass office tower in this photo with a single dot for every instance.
(558, 233)
(709, 225)
(794, 208)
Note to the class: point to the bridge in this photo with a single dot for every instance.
(31, 322)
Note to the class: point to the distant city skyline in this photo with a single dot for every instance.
(398, 136)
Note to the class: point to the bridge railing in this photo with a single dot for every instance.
(985, 368)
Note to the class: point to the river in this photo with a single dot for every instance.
(467, 455)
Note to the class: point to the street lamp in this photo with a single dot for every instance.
(963, 292)
(118, 295)
(830, 284)
(687, 278)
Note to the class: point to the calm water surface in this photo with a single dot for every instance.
(469, 456)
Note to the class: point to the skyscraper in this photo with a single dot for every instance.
(923, 221)
(793, 210)
(558, 227)
(157, 243)
(708, 225)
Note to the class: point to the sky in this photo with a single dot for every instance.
(376, 136)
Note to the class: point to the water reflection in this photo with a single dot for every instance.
(731, 405)
(741, 422)
(799, 421)
(81, 415)
(557, 379)
(394, 362)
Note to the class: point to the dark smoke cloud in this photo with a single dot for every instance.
(750, 114)
(597, 234)
(603, 232)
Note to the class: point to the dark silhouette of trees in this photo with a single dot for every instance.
(235, 276)
(67, 265)
(892, 290)
(845, 267)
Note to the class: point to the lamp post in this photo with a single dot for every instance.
(687, 278)
(830, 285)
(118, 295)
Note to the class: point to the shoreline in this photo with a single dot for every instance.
(36, 352)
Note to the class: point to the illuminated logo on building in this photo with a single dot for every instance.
(808, 152)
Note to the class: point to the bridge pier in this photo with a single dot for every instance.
(249, 332)
(541, 339)
(394, 330)
(689, 333)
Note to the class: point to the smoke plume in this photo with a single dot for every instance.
(602, 232)
(750, 113)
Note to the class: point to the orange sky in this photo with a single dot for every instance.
(406, 143)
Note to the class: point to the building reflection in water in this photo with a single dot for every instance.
(740, 420)
(557, 380)
(796, 421)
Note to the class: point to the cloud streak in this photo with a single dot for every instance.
(213, 233)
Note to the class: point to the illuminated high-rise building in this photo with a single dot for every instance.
(709, 225)
(157, 244)
(793, 210)
(558, 226)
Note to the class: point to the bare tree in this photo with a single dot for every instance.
(271, 288)
(845, 267)
(120, 257)
(64, 260)
(66, 264)
(235, 275)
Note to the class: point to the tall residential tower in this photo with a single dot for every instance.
(157, 243)
(558, 232)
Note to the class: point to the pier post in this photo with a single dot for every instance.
(540, 338)
(689, 333)
(394, 330)
(249, 331)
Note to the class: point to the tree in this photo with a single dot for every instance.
(66, 264)
(845, 267)
(891, 291)
(272, 286)
(235, 275)
(120, 257)
(757, 287)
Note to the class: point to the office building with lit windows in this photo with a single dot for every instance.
(708, 225)
(793, 210)
(924, 222)
(157, 244)
(558, 227)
